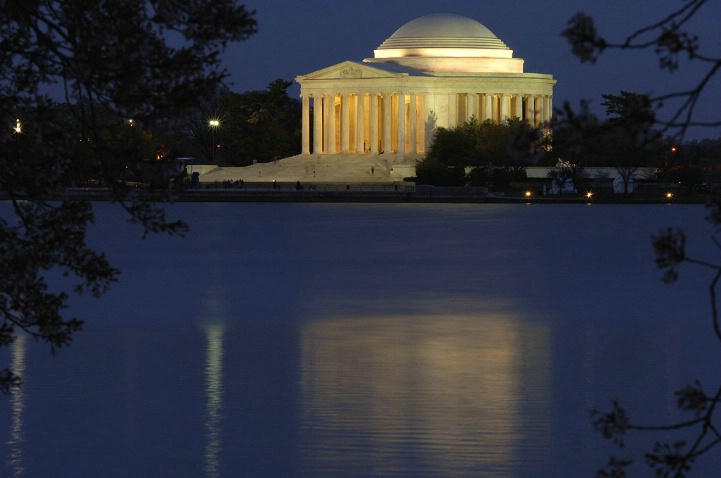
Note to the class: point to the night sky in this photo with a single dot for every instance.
(299, 37)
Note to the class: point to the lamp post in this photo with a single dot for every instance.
(213, 124)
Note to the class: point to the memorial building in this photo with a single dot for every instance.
(434, 71)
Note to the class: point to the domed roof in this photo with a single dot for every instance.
(443, 31)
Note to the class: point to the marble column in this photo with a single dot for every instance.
(517, 106)
(541, 110)
(306, 125)
(487, 107)
(452, 110)
(317, 124)
(374, 147)
(549, 114)
(402, 123)
(345, 123)
(471, 103)
(422, 115)
(546, 109)
(504, 108)
(387, 103)
(529, 110)
(360, 130)
(412, 124)
(331, 124)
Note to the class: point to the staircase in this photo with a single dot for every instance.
(320, 168)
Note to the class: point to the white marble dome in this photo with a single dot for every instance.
(447, 43)
(438, 35)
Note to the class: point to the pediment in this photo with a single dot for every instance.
(348, 70)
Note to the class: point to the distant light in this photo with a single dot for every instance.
(528, 194)
(18, 127)
(589, 194)
(669, 195)
(214, 123)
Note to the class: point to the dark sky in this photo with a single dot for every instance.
(298, 37)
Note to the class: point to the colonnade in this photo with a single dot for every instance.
(403, 123)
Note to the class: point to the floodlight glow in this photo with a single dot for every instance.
(213, 124)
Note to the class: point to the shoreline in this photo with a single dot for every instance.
(409, 195)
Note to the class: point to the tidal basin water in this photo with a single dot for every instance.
(339, 340)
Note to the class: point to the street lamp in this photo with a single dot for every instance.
(18, 126)
(213, 124)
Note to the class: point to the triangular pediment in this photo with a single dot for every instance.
(348, 70)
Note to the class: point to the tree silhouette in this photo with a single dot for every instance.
(111, 62)
(675, 454)
(668, 39)
(494, 153)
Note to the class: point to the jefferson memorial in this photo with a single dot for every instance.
(434, 71)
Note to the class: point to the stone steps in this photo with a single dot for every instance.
(318, 168)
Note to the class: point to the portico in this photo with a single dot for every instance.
(435, 71)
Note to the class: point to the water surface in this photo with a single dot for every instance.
(323, 340)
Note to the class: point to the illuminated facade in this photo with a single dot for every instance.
(435, 71)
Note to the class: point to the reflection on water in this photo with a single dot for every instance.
(214, 317)
(442, 394)
(17, 400)
(214, 395)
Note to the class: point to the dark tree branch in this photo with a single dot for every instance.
(669, 40)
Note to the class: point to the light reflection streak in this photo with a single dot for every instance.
(213, 319)
(214, 394)
(445, 391)
(17, 400)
